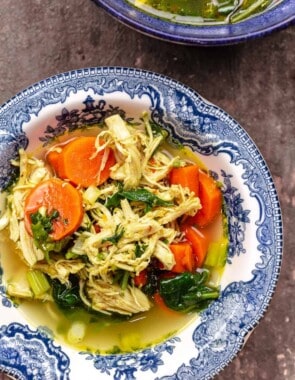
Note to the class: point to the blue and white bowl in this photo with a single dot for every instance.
(66, 102)
(259, 25)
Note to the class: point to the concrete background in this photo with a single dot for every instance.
(254, 82)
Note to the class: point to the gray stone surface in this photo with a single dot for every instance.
(254, 82)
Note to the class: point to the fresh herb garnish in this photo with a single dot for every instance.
(137, 195)
(158, 130)
(114, 239)
(42, 225)
(121, 278)
(71, 255)
(140, 249)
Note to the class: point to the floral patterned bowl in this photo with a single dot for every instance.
(259, 25)
(72, 100)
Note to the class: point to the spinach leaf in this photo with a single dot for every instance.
(151, 287)
(187, 291)
(137, 195)
(66, 296)
(114, 200)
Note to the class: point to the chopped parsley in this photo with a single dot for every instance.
(42, 225)
(114, 239)
(137, 195)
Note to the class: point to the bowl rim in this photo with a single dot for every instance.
(276, 18)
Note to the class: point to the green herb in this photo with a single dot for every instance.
(114, 200)
(71, 255)
(55, 246)
(178, 163)
(140, 249)
(100, 256)
(114, 239)
(42, 225)
(137, 195)
(121, 278)
(158, 130)
(188, 291)
(124, 280)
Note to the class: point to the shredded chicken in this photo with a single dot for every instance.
(128, 154)
(108, 298)
(32, 172)
(60, 269)
(124, 237)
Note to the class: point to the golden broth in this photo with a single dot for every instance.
(102, 333)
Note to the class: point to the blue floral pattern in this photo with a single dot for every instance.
(29, 354)
(128, 366)
(237, 217)
(209, 131)
(4, 299)
(71, 120)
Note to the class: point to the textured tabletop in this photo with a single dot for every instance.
(254, 82)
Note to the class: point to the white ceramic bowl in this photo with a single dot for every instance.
(67, 101)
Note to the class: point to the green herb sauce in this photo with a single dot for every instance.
(204, 11)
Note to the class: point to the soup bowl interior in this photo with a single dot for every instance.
(74, 103)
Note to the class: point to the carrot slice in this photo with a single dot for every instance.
(211, 201)
(183, 255)
(52, 158)
(55, 194)
(188, 176)
(141, 279)
(199, 243)
(79, 163)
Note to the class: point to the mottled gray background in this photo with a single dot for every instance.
(254, 82)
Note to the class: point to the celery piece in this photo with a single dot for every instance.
(76, 332)
(38, 282)
(91, 194)
(235, 17)
(226, 9)
(212, 255)
(217, 253)
(215, 277)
